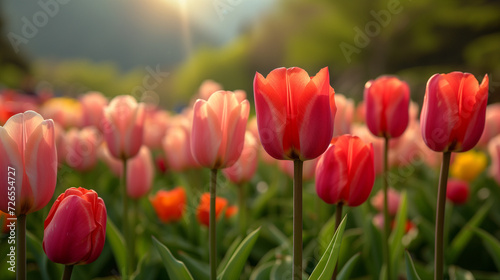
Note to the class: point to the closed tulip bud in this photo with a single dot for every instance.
(387, 103)
(169, 205)
(457, 191)
(453, 113)
(244, 169)
(75, 229)
(345, 172)
(28, 155)
(93, 104)
(140, 173)
(81, 148)
(123, 129)
(218, 131)
(293, 112)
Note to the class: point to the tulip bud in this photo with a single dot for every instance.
(169, 205)
(457, 191)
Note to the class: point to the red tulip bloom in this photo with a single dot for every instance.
(218, 131)
(28, 151)
(293, 112)
(75, 229)
(457, 191)
(387, 103)
(453, 114)
(345, 172)
(169, 205)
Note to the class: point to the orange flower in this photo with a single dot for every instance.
(202, 213)
(169, 205)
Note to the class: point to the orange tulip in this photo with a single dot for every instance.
(221, 204)
(169, 205)
(453, 114)
(293, 112)
(28, 151)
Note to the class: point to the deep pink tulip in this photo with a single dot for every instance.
(491, 125)
(345, 172)
(28, 150)
(244, 169)
(124, 122)
(140, 173)
(93, 104)
(453, 114)
(293, 112)
(387, 103)
(218, 129)
(81, 147)
(75, 229)
(378, 145)
(457, 191)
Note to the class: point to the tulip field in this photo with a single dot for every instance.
(290, 181)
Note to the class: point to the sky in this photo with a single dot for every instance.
(127, 32)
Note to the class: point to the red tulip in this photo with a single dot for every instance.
(140, 173)
(81, 147)
(124, 121)
(345, 172)
(453, 114)
(293, 113)
(457, 191)
(169, 205)
(75, 229)
(28, 150)
(386, 103)
(244, 169)
(219, 129)
(93, 104)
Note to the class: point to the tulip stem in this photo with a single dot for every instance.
(126, 232)
(338, 218)
(212, 226)
(385, 246)
(242, 210)
(441, 204)
(68, 269)
(21, 261)
(297, 219)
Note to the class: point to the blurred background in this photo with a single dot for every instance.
(167, 48)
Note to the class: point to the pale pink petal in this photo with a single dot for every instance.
(11, 161)
(205, 135)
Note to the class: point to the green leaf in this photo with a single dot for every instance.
(411, 272)
(326, 233)
(395, 240)
(282, 269)
(198, 269)
(239, 258)
(457, 273)
(175, 269)
(346, 271)
(117, 245)
(326, 265)
(491, 244)
(35, 246)
(262, 272)
(463, 237)
(229, 253)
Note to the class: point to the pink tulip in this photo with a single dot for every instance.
(218, 129)
(207, 88)
(453, 114)
(75, 229)
(344, 115)
(114, 164)
(244, 169)
(293, 113)
(63, 110)
(378, 145)
(345, 172)
(491, 127)
(177, 144)
(93, 104)
(494, 151)
(81, 147)
(387, 99)
(27, 150)
(124, 121)
(140, 173)
(393, 200)
(457, 191)
(155, 126)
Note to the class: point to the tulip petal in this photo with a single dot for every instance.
(475, 126)
(396, 105)
(206, 134)
(362, 175)
(41, 164)
(9, 153)
(331, 175)
(134, 133)
(99, 235)
(237, 123)
(20, 126)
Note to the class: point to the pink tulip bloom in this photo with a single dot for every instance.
(140, 173)
(345, 172)
(177, 144)
(219, 129)
(344, 115)
(491, 127)
(293, 112)
(207, 88)
(75, 229)
(386, 103)
(393, 200)
(156, 123)
(93, 104)
(81, 147)
(63, 110)
(453, 114)
(244, 169)
(28, 150)
(494, 151)
(124, 122)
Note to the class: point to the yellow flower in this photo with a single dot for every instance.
(467, 166)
